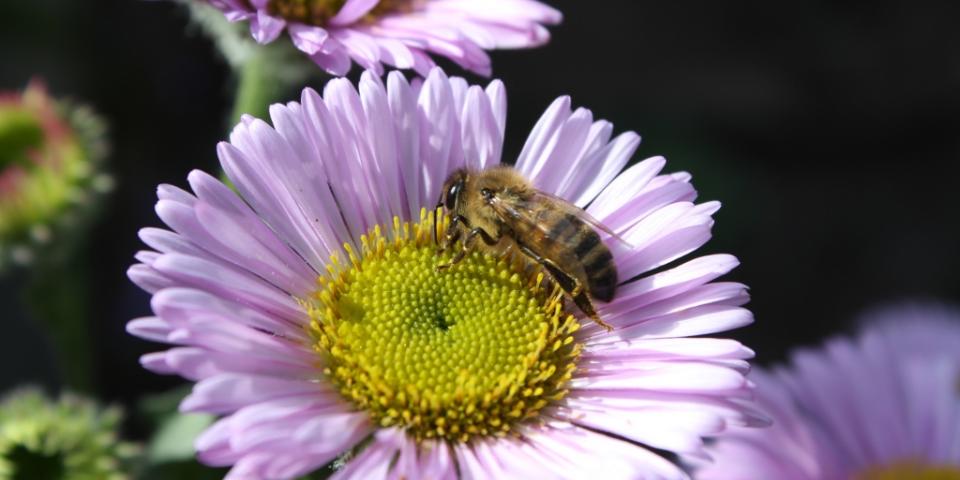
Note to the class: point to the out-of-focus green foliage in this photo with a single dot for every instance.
(69, 439)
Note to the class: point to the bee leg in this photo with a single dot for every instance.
(452, 234)
(448, 239)
(468, 242)
(570, 284)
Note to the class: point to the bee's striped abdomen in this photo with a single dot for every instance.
(598, 265)
(570, 232)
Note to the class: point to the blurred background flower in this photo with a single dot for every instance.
(327, 36)
(70, 439)
(885, 405)
(50, 175)
(399, 33)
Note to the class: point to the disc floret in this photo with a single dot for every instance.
(473, 351)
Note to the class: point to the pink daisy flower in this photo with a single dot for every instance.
(883, 406)
(400, 33)
(309, 310)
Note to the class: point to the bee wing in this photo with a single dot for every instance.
(582, 214)
(521, 214)
(514, 213)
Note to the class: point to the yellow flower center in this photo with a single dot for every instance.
(319, 12)
(475, 350)
(911, 470)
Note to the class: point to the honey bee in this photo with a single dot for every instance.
(498, 204)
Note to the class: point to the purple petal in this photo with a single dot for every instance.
(439, 133)
(308, 38)
(531, 160)
(149, 328)
(229, 392)
(402, 102)
(352, 11)
(482, 140)
(228, 282)
(266, 28)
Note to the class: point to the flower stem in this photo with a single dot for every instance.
(59, 299)
(258, 85)
(265, 73)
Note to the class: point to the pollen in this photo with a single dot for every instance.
(319, 12)
(477, 350)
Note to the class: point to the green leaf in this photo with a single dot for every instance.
(174, 440)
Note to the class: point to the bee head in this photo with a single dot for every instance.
(452, 189)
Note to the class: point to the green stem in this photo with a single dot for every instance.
(59, 299)
(265, 73)
(258, 85)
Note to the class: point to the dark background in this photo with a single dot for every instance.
(829, 130)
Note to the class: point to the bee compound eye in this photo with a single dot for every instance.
(487, 193)
(452, 195)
